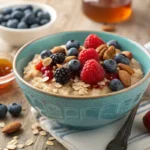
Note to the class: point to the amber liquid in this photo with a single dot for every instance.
(106, 12)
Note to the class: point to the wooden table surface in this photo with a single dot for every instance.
(70, 17)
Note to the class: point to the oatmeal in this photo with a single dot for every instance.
(93, 69)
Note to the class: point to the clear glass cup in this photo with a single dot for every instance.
(107, 11)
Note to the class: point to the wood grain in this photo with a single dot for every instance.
(70, 17)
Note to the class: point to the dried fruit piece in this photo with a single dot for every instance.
(43, 133)
(110, 53)
(125, 78)
(20, 146)
(12, 127)
(29, 142)
(126, 68)
(11, 147)
(128, 54)
(108, 28)
(51, 143)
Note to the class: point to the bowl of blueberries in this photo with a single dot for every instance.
(21, 22)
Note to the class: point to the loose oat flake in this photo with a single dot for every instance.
(29, 142)
(33, 127)
(51, 143)
(13, 142)
(15, 137)
(51, 138)
(35, 131)
(20, 146)
(43, 133)
(2, 124)
(11, 147)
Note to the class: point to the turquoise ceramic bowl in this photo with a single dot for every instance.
(83, 112)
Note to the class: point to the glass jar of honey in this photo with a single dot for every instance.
(107, 11)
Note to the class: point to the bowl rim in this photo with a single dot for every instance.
(88, 96)
(50, 10)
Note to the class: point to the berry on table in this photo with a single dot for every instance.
(72, 52)
(93, 41)
(115, 85)
(72, 43)
(87, 54)
(114, 43)
(45, 54)
(62, 75)
(92, 72)
(17, 14)
(22, 25)
(74, 65)
(49, 74)
(3, 111)
(120, 58)
(12, 23)
(46, 68)
(146, 121)
(39, 66)
(110, 66)
(15, 109)
(57, 58)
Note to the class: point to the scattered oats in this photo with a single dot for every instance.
(33, 127)
(51, 143)
(20, 146)
(15, 137)
(55, 90)
(58, 85)
(11, 147)
(29, 142)
(81, 91)
(76, 79)
(85, 91)
(35, 131)
(13, 142)
(86, 85)
(45, 79)
(43, 133)
(53, 80)
(51, 138)
(37, 124)
(101, 83)
(2, 124)
(76, 88)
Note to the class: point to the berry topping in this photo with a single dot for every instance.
(87, 54)
(72, 52)
(93, 41)
(114, 43)
(12, 23)
(45, 53)
(46, 68)
(120, 58)
(22, 25)
(3, 111)
(115, 85)
(111, 76)
(44, 21)
(72, 43)
(39, 66)
(57, 58)
(6, 11)
(62, 75)
(92, 72)
(110, 66)
(74, 65)
(17, 14)
(49, 74)
(146, 120)
(15, 109)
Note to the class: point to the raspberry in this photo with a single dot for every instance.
(92, 72)
(93, 41)
(49, 74)
(111, 76)
(146, 120)
(45, 68)
(88, 54)
(39, 65)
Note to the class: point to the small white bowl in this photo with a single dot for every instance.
(19, 37)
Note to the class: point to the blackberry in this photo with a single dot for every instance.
(57, 58)
(62, 75)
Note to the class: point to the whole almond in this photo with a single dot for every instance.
(70, 58)
(128, 54)
(126, 68)
(58, 49)
(110, 53)
(12, 127)
(125, 78)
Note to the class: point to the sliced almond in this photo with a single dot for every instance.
(126, 68)
(11, 147)
(51, 143)
(125, 78)
(67, 59)
(58, 49)
(45, 79)
(109, 28)
(51, 138)
(20, 146)
(59, 65)
(2, 124)
(47, 61)
(29, 142)
(110, 53)
(128, 54)
(43, 133)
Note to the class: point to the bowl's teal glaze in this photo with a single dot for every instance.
(86, 112)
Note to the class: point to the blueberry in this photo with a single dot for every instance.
(120, 58)
(72, 52)
(28, 7)
(15, 109)
(17, 14)
(115, 85)
(34, 25)
(72, 43)
(7, 17)
(27, 11)
(22, 25)
(114, 43)
(4, 24)
(1, 18)
(7, 11)
(29, 19)
(44, 21)
(74, 65)
(43, 15)
(45, 53)
(3, 111)
(110, 66)
(37, 10)
(12, 23)
(17, 8)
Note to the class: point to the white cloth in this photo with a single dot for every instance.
(97, 139)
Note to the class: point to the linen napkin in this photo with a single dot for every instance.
(97, 139)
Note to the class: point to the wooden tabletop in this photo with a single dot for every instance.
(70, 17)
